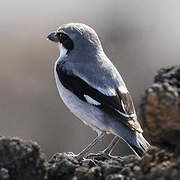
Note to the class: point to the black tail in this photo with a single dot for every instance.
(140, 146)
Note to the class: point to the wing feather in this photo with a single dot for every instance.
(120, 105)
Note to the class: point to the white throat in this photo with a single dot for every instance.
(63, 51)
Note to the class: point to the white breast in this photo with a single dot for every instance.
(89, 114)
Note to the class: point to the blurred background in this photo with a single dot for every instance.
(138, 36)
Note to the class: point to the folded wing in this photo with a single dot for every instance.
(119, 105)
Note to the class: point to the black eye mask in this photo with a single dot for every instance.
(66, 41)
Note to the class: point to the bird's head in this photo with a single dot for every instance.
(77, 39)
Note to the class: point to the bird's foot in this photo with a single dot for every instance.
(99, 156)
(69, 155)
(74, 158)
(102, 156)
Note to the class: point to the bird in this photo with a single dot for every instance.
(93, 89)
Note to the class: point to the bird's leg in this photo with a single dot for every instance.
(106, 153)
(79, 156)
(111, 146)
(91, 145)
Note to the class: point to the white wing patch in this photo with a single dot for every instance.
(91, 100)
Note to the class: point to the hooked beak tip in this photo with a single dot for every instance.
(52, 36)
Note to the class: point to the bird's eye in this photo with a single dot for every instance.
(65, 40)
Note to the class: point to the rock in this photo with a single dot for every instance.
(62, 166)
(20, 160)
(160, 114)
(115, 177)
(160, 110)
(156, 164)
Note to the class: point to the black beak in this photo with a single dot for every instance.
(53, 37)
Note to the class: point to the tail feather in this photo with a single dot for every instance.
(134, 139)
(140, 146)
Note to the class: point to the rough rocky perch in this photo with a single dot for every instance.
(23, 160)
(160, 114)
(160, 109)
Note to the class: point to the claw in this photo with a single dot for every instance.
(102, 156)
(99, 156)
(69, 155)
(89, 162)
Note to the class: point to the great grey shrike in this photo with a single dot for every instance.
(92, 88)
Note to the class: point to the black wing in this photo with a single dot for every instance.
(119, 106)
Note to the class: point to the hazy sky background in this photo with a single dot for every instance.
(138, 36)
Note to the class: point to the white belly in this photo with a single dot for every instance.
(89, 114)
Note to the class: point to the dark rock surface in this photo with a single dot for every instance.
(156, 164)
(21, 160)
(160, 109)
(160, 115)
